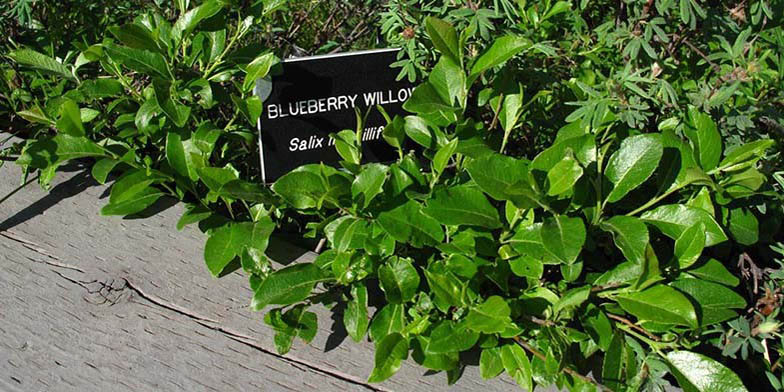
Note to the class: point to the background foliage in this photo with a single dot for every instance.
(598, 190)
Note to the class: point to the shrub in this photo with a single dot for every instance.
(591, 228)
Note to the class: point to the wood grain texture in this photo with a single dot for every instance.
(90, 303)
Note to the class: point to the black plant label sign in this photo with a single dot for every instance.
(313, 97)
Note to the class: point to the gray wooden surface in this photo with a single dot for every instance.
(93, 303)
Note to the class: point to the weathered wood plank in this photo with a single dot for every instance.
(130, 303)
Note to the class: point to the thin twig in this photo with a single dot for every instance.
(634, 326)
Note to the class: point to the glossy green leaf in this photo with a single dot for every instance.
(70, 120)
(689, 246)
(41, 62)
(630, 235)
(450, 336)
(369, 183)
(408, 224)
(496, 173)
(563, 237)
(390, 353)
(572, 298)
(744, 226)
(714, 301)
(287, 286)
(612, 366)
(51, 152)
(702, 132)
(176, 112)
(491, 363)
(135, 203)
(388, 320)
(399, 280)
(489, 317)
(355, 319)
(102, 168)
(500, 51)
(562, 177)
(175, 154)
(295, 322)
(632, 164)
(462, 205)
(660, 304)
(517, 365)
(714, 271)
(698, 373)
(745, 154)
(258, 68)
(139, 60)
(135, 36)
(444, 38)
(191, 19)
(674, 219)
(227, 242)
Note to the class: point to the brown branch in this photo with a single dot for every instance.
(566, 370)
(634, 326)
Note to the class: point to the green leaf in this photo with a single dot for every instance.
(444, 38)
(102, 168)
(388, 320)
(135, 203)
(355, 319)
(287, 286)
(630, 236)
(175, 154)
(698, 373)
(250, 107)
(495, 173)
(70, 121)
(407, 224)
(702, 132)
(139, 60)
(527, 266)
(612, 366)
(399, 280)
(491, 363)
(442, 156)
(462, 205)
(744, 226)
(191, 19)
(51, 152)
(517, 365)
(258, 69)
(35, 115)
(490, 317)
(135, 36)
(449, 337)
(500, 51)
(572, 298)
(310, 185)
(449, 80)
(193, 214)
(563, 237)
(175, 111)
(417, 129)
(745, 154)
(689, 246)
(563, 176)
(714, 301)
(445, 286)
(248, 191)
(296, 322)
(633, 163)
(660, 304)
(369, 183)
(714, 271)
(598, 326)
(228, 241)
(674, 219)
(390, 353)
(41, 62)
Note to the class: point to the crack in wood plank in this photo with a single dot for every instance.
(105, 289)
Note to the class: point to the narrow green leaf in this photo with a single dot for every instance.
(355, 319)
(702, 132)
(612, 367)
(517, 365)
(500, 51)
(41, 62)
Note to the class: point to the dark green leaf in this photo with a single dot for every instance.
(744, 226)
(296, 322)
(139, 60)
(227, 242)
(462, 205)
(388, 320)
(630, 236)
(612, 367)
(495, 173)
(689, 246)
(41, 62)
(70, 121)
(407, 224)
(355, 319)
(517, 365)
(563, 237)
(674, 219)
(702, 132)
(713, 271)
(369, 183)
(714, 301)
(489, 317)
(399, 280)
(500, 51)
(51, 152)
(450, 336)
(444, 38)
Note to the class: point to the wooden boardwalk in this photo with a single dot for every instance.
(92, 303)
